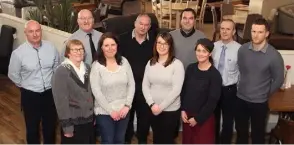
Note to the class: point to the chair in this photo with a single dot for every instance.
(166, 15)
(6, 41)
(216, 26)
(245, 35)
(200, 17)
(193, 5)
(227, 9)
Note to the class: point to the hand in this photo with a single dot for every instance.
(115, 115)
(192, 122)
(155, 109)
(184, 117)
(124, 111)
(68, 134)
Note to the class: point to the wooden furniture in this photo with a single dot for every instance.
(236, 18)
(218, 4)
(79, 6)
(283, 102)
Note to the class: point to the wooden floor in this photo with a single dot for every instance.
(12, 127)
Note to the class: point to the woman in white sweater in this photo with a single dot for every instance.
(113, 87)
(162, 84)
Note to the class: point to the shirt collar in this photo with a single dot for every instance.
(33, 46)
(86, 33)
(184, 34)
(227, 45)
(134, 34)
(262, 50)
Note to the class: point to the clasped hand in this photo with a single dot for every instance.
(185, 119)
(122, 113)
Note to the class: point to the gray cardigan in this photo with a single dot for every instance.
(73, 98)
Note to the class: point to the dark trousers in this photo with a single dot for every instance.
(83, 134)
(143, 114)
(39, 108)
(226, 107)
(256, 113)
(199, 134)
(164, 125)
(112, 132)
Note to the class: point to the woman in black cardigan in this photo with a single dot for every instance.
(200, 93)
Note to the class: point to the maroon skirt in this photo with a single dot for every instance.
(199, 134)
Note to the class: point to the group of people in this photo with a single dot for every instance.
(100, 81)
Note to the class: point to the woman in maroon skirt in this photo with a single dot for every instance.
(200, 94)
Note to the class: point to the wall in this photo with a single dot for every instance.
(57, 37)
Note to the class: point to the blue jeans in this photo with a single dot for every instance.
(112, 132)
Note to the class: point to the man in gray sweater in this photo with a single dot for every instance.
(186, 37)
(261, 69)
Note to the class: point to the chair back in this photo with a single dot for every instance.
(227, 9)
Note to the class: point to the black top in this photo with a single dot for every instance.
(137, 54)
(201, 92)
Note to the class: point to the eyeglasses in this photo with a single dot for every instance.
(162, 44)
(84, 19)
(77, 50)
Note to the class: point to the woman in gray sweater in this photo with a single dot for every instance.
(113, 87)
(73, 96)
(162, 85)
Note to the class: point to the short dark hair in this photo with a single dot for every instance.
(166, 36)
(189, 10)
(262, 21)
(100, 57)
(229, 20)
(70, 43)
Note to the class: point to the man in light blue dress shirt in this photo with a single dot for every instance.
(225, 60)
(31, 67)
(86, 33)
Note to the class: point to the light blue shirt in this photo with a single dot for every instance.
(231, 72)
(84, 38)
(32, 68)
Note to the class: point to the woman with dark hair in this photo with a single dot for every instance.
(113, 87)
(162, 85)
(73, 96)
(200, 93)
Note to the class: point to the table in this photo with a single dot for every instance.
(283, 102)
(238, 19)
(218, 4)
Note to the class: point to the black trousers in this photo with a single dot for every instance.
(226, 107)
(143, 113)
(83, 134)
(39, 108)
(257, 114)
(164, 126)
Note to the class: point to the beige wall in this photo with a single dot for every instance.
(57, 37)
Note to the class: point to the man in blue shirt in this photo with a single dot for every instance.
(225, 54)
(31, 67)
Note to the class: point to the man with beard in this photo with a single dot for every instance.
(261, 69)
(186, 37)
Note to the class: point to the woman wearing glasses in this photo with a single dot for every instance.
(200, 94)
(73, 96)
(162, 84)
(113, 87)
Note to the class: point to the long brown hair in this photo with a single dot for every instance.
(171, 52)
